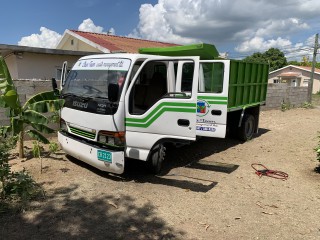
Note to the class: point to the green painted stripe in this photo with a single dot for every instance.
(218, 102)
(158, 114)
(161, 105)
(212, 98)
(82, 133)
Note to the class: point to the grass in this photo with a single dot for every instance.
(316, 99)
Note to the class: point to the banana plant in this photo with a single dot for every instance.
(28, 118)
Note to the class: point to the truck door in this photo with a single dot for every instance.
(155, 109)
(212, 104)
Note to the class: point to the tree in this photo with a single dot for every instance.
(274, 57)
(27, 118)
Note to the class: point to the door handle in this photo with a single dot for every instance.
(183, 122)
(216, 112)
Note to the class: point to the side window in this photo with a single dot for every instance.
(211, 77)
(187, 77)
(151, 85)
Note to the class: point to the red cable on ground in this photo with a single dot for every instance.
(264, 171)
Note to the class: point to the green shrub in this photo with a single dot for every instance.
(307, 105)
(317, 149)
(53, 147)
(14, 186)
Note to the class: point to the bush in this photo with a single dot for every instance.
(317, 149)
(15, 186)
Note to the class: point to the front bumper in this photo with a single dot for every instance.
(105, 160)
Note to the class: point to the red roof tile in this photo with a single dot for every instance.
(120, 44)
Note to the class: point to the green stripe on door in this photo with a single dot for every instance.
(214, 100)
(158, 111)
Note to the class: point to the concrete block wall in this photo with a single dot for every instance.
(280, 93)
(26, 89)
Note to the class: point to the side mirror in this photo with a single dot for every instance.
(55, 86)
(113, 92)
(64, 73)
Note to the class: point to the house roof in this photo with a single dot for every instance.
(112, 43)
(6, 50)
(289, 67)
(289, 74)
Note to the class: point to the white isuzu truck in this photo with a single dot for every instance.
(130, 106)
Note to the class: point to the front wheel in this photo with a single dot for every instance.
(246, 131)
(156, 158)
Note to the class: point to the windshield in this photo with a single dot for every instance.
(91, 78)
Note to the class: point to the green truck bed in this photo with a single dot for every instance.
(247, 83)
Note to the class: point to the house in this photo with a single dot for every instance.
(37, 63)
(104, 43)
(296, 76)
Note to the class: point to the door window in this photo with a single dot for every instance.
(150, 86)
(211, 77)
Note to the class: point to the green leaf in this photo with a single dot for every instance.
(34, 117)
(42, 128)
(37, 136)
(11, 99)
(47, 105)
(4, 130)
(4, 72)
(43, 96)
(2, 102)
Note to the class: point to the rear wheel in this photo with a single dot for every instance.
(156, 158)
(246, 131)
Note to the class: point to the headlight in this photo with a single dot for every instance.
(63, 125)
(112, 138)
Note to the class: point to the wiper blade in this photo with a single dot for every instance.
(68, 95)
(75, 95)
(100, 97)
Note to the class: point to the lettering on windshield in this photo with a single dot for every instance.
(101, 64)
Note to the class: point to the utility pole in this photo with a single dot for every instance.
(310, 85)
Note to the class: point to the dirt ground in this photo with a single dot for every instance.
(208, 190)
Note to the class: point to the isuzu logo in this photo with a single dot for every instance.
(79, 104)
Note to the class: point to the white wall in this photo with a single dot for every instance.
(40, 66)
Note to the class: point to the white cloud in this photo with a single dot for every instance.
(88, 26)
(258, 44)
(49, 39)
(248, 24)
(46, 39)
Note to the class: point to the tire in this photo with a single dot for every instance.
(246, 131)
(156, 158)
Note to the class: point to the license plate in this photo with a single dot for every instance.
(104, 156)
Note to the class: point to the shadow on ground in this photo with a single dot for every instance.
(65, 215)
(189, 156)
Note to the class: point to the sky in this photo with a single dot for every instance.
(237, 28)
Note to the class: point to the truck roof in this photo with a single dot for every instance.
(132, 56)
(203, 50)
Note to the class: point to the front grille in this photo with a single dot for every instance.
(82, 133)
